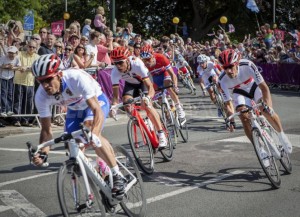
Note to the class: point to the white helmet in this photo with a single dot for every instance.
(202, 58)
(180, 58)
(46, 66)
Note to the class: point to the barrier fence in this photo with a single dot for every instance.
(281, 74)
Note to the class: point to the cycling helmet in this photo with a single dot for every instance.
(228, 57)
(146, 52)
(119, 54)
(46, 66)
(181, 58)
(202, 58)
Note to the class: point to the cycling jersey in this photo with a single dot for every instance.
(138, 71)
(162, 64)
(182, 66)
(77, 87)
(208, 72)
(248, 77)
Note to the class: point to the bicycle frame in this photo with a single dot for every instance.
(87, 169)
(151, 134)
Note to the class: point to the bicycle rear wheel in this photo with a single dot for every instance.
(72, 192)
(141, 146)
(271, 170)
(167, 152)
(285, 158)
(134, 201)
(168, 118)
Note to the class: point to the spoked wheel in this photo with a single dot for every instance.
(141, 146)
(167, 152)
(72, 192)
(267, 161)
(191, 88)
(220, 102)
(134, 201)
(168, 118)
(285, 158)
(183, 128)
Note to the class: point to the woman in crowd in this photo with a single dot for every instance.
(68, 58)
(81, 58)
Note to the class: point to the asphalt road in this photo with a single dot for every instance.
(215, 174)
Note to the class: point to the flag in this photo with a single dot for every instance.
(251, 4)
(231, 28)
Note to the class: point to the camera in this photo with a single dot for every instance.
(12, 24)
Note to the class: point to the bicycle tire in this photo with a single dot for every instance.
(134, 201)
(167, 152)
(285, 158)
(191, 88)
(183, 128)
(68, 174)
(168, 118)
(220, 102)
(142, 148)
(271, 171)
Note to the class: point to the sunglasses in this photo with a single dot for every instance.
(43, 32)
(119, 62)
(68, 49)
(228, 67)
(58, 46)
(84, 40)
(32, 47)
(47, 80)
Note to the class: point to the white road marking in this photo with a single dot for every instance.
(19, 204)
(294, 139)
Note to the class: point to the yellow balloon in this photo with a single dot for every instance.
(175, 20)
(66, 16)
(223, 20)
(274, 26)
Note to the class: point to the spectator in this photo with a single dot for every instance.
(48, 48)
(74, 40)
(87, 28)
(68, 58)
(100, 19)
(66, 35)
(24, 85)
(15, 31)
(74, 29)
(8, 63)
(104, 48)
(3, 46)
(268, 35)
(92, 49)
(37, 38)
(59, 49)
(43, 35)
(137, 50)
(81, 58)
(84, 40)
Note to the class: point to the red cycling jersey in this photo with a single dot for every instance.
(162, 64)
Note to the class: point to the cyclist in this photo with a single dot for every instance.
(243, 82)
(208, 73)
(133, 71)
(184, 69)
(85, 102)
(162, 74)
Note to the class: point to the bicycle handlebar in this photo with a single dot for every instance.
(245, 110)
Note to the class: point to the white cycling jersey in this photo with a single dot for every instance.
(210, 70)
(248, 74)
(138, 71)
(77, 87)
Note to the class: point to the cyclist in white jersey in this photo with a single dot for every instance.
(135, 74)
(208, 73)
(86, 103)
(184, 69)
(243, 82)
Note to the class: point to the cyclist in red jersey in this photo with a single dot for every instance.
(162, 73)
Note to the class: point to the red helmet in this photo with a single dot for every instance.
(228, 57)
(146, 52)
(119, 54)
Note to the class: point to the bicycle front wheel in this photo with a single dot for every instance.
(183, 128)
(134, 201)
(168, 118)
(270, 168)
(220, 102)
(167, 152)
(141, 146)
(72, 192)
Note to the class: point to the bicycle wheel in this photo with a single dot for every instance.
(168, 118)
(134, 201)
(285, 158)
(72, 192)
(220, 102)
(271, 170)
(141, 146)
(167, 152)
(183, 128)
(190, 87)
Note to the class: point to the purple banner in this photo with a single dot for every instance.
(283, 73)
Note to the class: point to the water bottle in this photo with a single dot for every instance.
(104, 169)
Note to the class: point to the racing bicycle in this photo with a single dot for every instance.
(83, 191)
(265, 137)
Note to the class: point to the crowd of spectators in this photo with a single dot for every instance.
(89, 47)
